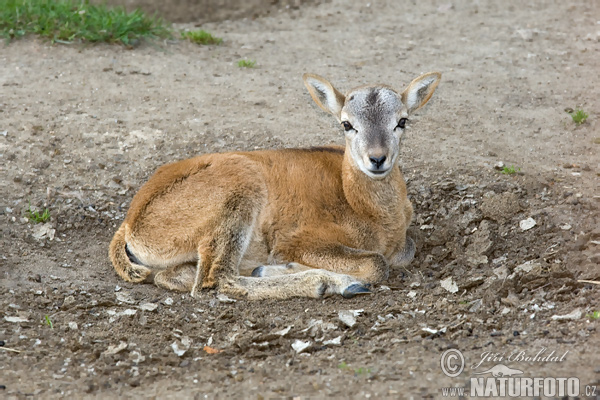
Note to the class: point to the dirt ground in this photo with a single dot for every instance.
(82, 127)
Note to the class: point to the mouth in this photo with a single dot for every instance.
(378, 174)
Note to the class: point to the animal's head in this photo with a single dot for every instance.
(374, 117)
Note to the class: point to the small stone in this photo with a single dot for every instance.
(148, 306)
(68, 301)
(283, 332)
(299, 346)
(114, 349)
(125, 297)
(475, 305)
(15, 319)
(347, 318)
(516, 333)
(180, 348)
(573, 315)
(528, 266)
(168, 301)
(73, 326)
(566, 227)
(225, 299)
(449, 285)
(527, 224)
(499, 165)
(412, 294)
(44, 231)
(335, 342)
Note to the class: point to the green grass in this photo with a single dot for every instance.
(48, 322)
(36, 217)
(246, 63)
(361, 371)
(594, 315)
(200, 37)
(67, 21)
(579, 116)
(357, 371)
(510, 170)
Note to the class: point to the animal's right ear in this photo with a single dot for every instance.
(324, 94)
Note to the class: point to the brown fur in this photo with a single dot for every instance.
(312, 209)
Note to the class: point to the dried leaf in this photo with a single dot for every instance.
(211, 350)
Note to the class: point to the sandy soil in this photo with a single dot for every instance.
(82, 127)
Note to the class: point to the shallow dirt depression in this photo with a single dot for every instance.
(83, 127)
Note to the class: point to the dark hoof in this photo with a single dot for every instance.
(257, 272)
(355, 289)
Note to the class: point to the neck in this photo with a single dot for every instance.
(374, 199)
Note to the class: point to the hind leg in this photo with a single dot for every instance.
(179, 277)
(279, 269)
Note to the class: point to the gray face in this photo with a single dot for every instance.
(375, 128)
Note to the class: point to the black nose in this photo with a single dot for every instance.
(377, 161)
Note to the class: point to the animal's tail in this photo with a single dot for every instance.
(126, 269)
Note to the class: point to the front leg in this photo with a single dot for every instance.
(405, 256)
(279, 269)
(366, 266)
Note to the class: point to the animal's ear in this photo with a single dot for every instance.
(420, 90)
(324, 94)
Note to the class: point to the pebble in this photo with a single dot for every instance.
(168, 301)
(114, 349)
(73, 326)
(527, 224)
(148, 306)
(299, 346)
(68, 301)
(15, 319)
(573, 315)
(225, 299)
(347, 318)
(125, 297)
(449, 285)
(336, 341)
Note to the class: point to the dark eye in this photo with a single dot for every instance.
(402, 123)
(347, 126)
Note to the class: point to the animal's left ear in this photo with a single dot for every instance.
(420, 90)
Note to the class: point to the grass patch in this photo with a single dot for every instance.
(594, 315)
(48, 322)
(579, 116)
(246, 63)
(36, 217)
(200, 37)
(66, 21)
(510, 170)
